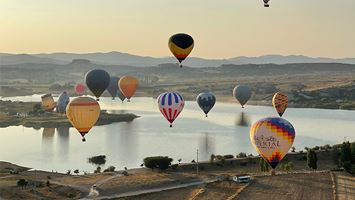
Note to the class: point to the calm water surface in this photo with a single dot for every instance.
(126, 144)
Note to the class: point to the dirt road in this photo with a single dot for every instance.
(345, 186)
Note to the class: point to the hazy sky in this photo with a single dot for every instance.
(221, 28)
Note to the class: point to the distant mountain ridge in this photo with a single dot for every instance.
(118, 58)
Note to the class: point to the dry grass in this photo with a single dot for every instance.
(306, 186)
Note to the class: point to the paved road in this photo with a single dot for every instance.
(345, 186)
(153, 190)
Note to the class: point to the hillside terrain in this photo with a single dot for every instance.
(322, 85)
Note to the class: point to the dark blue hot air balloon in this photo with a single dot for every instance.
(97, 80)
(62, 103)
(113, 87)
(206, 101)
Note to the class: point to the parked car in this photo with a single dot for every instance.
(241, 179)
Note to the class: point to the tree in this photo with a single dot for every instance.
(160, 162)
(179, 160)
(345, 156)
(76, 171)
(312, 159)
(98, 160)
(264, 166)
(68, 172)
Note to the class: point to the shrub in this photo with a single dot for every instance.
(212, 158)
(98, 160)
(22, 183)
(97, 170)
(241, 155)
(228, 156)
(110, 169)
(160, 162)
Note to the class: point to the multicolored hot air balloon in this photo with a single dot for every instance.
(272, 138)
(128, 86)
(79, 89)
(83, 112)
(48, 102)
(97, 80)
(242, 93)
(206, 101)
(62, 102)
(181, 45)
(113, 87)
(280, 102)
(266, 3)
(171, 105)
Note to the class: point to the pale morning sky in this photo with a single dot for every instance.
(221, 28)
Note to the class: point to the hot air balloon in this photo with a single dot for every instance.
(242, 93)
(128, 86)
(272, 138)
(280, 101)
(97, 80)
(120, 95)
(171, 105)
(266, 3)
(206, 101)
(62, 103)
(80, 89)
(113, 87)
(83, 112)
(48, 102)
(181, 46)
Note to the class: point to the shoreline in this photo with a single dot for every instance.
(17, 113)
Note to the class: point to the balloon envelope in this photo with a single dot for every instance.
(128, 86)
(242, 93)
(120, 95)
(83, 112)
(113, 86)
(170, 105)
(280, 102)
(62, 103)
(206, 101)
(97, 80)
(80, 89)
(48, 102)
(272, 138)
(181, 45)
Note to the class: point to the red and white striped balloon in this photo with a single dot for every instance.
(171, 105)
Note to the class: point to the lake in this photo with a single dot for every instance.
(125, 144)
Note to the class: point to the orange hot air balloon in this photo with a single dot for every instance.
(83, 112)
(48, 102)
(280, 102)
(128, 86)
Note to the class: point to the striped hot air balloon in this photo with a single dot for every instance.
(272, 138)
(171, 105)
(48, 102)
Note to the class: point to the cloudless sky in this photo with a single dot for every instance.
(221, 28)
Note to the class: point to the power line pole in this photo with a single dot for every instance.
(197, 161)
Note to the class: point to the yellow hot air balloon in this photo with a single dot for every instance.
(83, 112)
(48, 102)
(128, 86)
(272, 138)
(280, 102)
